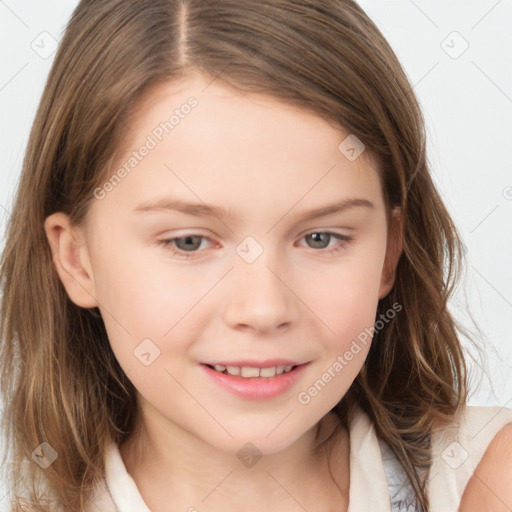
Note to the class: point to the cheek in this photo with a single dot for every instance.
(347, 306)
(352, 319)
(140, 302)
(140, 293)
(347, 294)
(140, 279)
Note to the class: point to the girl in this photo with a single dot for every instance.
(300, 354)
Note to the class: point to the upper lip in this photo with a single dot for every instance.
(268, 363)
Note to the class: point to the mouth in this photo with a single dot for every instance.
(250, 372)
(255, 382)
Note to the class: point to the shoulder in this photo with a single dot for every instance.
(490, 486)
(470, 453)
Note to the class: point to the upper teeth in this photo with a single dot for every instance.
(249, 371)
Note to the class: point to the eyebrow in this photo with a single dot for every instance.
(167, 204)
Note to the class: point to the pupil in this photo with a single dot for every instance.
(189, 240)
(316, 237)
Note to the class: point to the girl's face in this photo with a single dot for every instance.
(216, 240)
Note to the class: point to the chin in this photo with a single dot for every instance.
(263, 441)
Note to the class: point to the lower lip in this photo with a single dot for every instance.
(256, 388)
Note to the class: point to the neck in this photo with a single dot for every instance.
(170, 465)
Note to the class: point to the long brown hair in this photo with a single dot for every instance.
(61, 383)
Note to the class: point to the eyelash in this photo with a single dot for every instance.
(344, 240)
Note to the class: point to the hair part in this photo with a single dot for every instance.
(60, 380)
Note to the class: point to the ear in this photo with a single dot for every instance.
(393, 252)
(71, 259)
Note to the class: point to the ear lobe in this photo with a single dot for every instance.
(71, 259)
(393, 252)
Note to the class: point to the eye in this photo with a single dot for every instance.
(321, 239)
(187, 246)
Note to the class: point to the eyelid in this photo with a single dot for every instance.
(343, 240)
(336, 231)
(332, 231)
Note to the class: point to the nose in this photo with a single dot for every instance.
(260, 297)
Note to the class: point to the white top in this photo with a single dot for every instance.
(375, 474)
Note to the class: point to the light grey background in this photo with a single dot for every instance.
(467, 101)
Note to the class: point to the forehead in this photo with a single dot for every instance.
(236, 148)
(222, 110)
